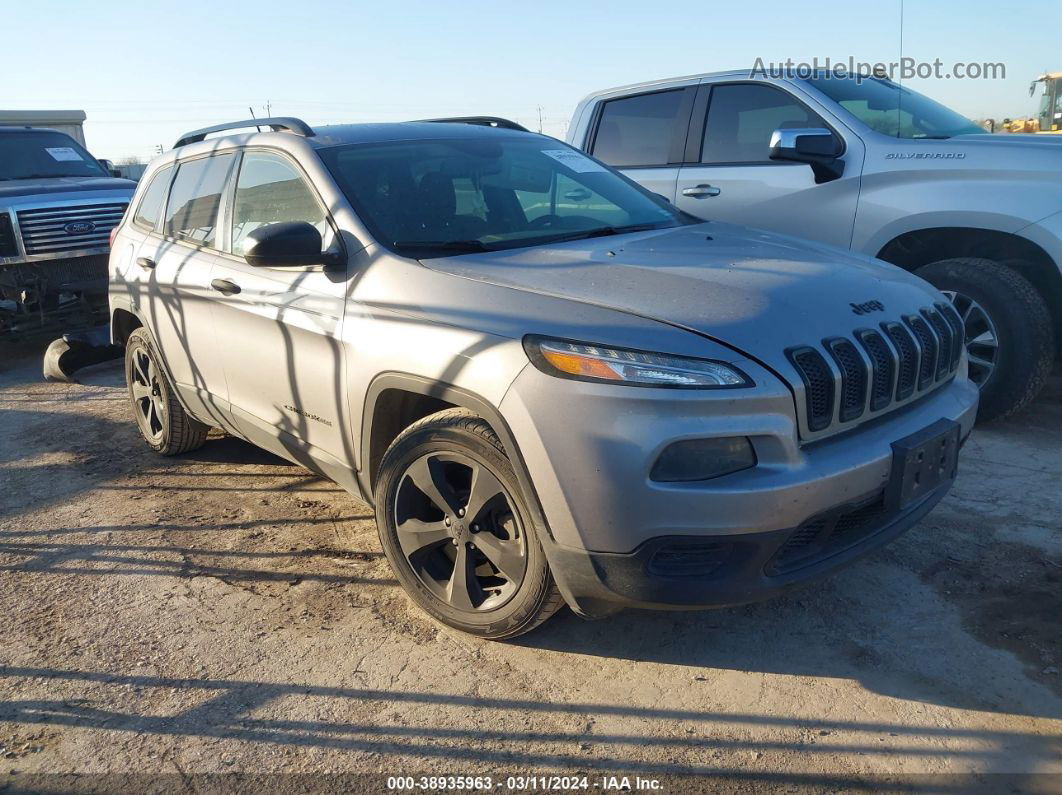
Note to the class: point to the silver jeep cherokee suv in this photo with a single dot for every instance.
(552, 385)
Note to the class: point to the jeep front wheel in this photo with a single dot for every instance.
(1009, 337)
(456, 528)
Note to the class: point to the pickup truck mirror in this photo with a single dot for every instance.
(108, 166)
(816, 146)
(286, 244)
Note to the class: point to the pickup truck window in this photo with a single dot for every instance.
(637, 131)
(741, 118)
(192, 212)
(43, 154)
(892, 110)
(439, 197)
(147, 214)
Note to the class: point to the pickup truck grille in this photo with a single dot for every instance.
(8, 246)
(876, 370)
(58, 230)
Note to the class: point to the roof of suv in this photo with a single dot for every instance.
(336, 134)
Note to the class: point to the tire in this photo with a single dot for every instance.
(163, 423)
(1018, 318)
(458, 459)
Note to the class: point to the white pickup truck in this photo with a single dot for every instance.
(864, 164)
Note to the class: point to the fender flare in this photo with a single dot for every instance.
(876, 242)
(457, 396)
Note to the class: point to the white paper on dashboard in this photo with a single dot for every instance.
(63, 153)
(573, 160)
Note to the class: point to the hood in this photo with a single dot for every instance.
(1017, 141)
(1000, 153)
(756, 292)
(18, 188)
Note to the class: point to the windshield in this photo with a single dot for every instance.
(893, 110)
(39, 154)
(431, 198)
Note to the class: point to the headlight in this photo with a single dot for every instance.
(567, 359)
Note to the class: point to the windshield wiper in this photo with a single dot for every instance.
(443, 245)
(601, 231)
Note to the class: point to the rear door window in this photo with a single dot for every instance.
(741, 118)
(150, 208)
(192, 211)
(638, 131)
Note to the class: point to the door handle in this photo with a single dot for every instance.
(147, 263)
(701, 191)
(225, 287)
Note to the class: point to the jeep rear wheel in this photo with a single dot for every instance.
(456, 529)
(165, 425)
(1009, 336)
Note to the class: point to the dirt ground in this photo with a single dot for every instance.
(165, 619)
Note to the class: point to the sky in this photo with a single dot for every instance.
(145, 72)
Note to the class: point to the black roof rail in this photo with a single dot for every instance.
(275, 123)
(482, 121)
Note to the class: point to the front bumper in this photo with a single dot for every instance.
(728, 570)
(589, 452)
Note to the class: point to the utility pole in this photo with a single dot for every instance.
(269, 108)
(158, 149)
(540, 118)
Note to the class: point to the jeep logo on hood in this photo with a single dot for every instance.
(79, 228)
(867, 307)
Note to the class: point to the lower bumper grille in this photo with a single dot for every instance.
(49, 276)
(826, 535)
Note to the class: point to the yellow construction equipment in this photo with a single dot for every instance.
(1049, 118)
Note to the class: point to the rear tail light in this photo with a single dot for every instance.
(114, 233)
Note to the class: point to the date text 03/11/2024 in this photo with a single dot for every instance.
(520, 783)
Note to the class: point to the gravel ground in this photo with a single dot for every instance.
(171, 618)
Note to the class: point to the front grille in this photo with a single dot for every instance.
(944, 337)
(958, 331)
(8, 245)
(928, 345)
(908, 355)
(56, 230)
(903, 360)
(853, 378)
(884, 368)
(823, 536)
(818, 385)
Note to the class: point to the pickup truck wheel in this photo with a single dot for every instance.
(1009, 335)
(162, 420)
(456, 529)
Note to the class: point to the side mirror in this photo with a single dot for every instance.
(578, 195)
(286, 244)
(108, 166)
(815, 146)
